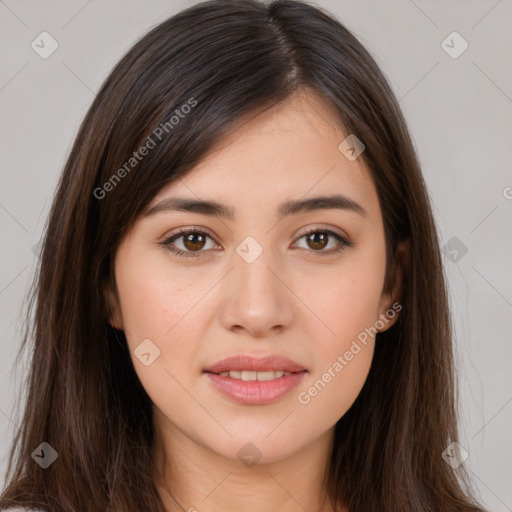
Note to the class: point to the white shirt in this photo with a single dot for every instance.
(18, 509)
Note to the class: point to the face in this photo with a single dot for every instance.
(282, 288)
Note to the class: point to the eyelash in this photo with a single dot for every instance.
(343, 243)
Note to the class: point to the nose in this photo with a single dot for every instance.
(256, 298)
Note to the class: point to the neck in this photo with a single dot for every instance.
(194, 478)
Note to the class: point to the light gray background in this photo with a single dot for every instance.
(459, 112)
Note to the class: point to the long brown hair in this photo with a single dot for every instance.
(227, 61)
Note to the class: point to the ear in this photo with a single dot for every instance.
(113, 308)
(391, 296)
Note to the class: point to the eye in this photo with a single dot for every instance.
(191, 240)
(319, 239)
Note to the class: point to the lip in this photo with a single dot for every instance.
(241, 362)
(255, 392)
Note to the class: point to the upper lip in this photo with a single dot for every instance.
(241, 362)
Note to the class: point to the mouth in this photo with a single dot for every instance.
(250, 380)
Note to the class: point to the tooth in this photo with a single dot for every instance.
(266, 375)
(248, 375)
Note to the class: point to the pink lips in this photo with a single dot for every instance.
(255, 392)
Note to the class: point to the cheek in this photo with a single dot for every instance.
(347, 304)
(165, 308)
(344, 352)
(159, 306)
(154, 300)
(345, 301)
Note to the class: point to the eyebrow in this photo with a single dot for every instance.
(287, 208)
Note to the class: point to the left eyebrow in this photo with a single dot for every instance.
(339, 202)
(285, 209)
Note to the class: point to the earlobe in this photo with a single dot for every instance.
(392, 294)
(113, 312)
(389, 317)
(115, 323)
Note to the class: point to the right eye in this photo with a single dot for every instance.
(192, 241)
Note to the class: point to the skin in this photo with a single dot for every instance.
(295, 299)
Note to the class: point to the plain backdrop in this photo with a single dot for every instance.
(459, 113)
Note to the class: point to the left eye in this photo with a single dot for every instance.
(318, 239)
(193, 242)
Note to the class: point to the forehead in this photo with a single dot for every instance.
(288, 151)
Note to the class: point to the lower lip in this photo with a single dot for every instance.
(256, 392)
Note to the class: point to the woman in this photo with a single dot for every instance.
(240, 302)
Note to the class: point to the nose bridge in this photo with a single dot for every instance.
(252, 270)
(257, 300)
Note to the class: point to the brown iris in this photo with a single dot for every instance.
(317, 240)
(194, 241)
